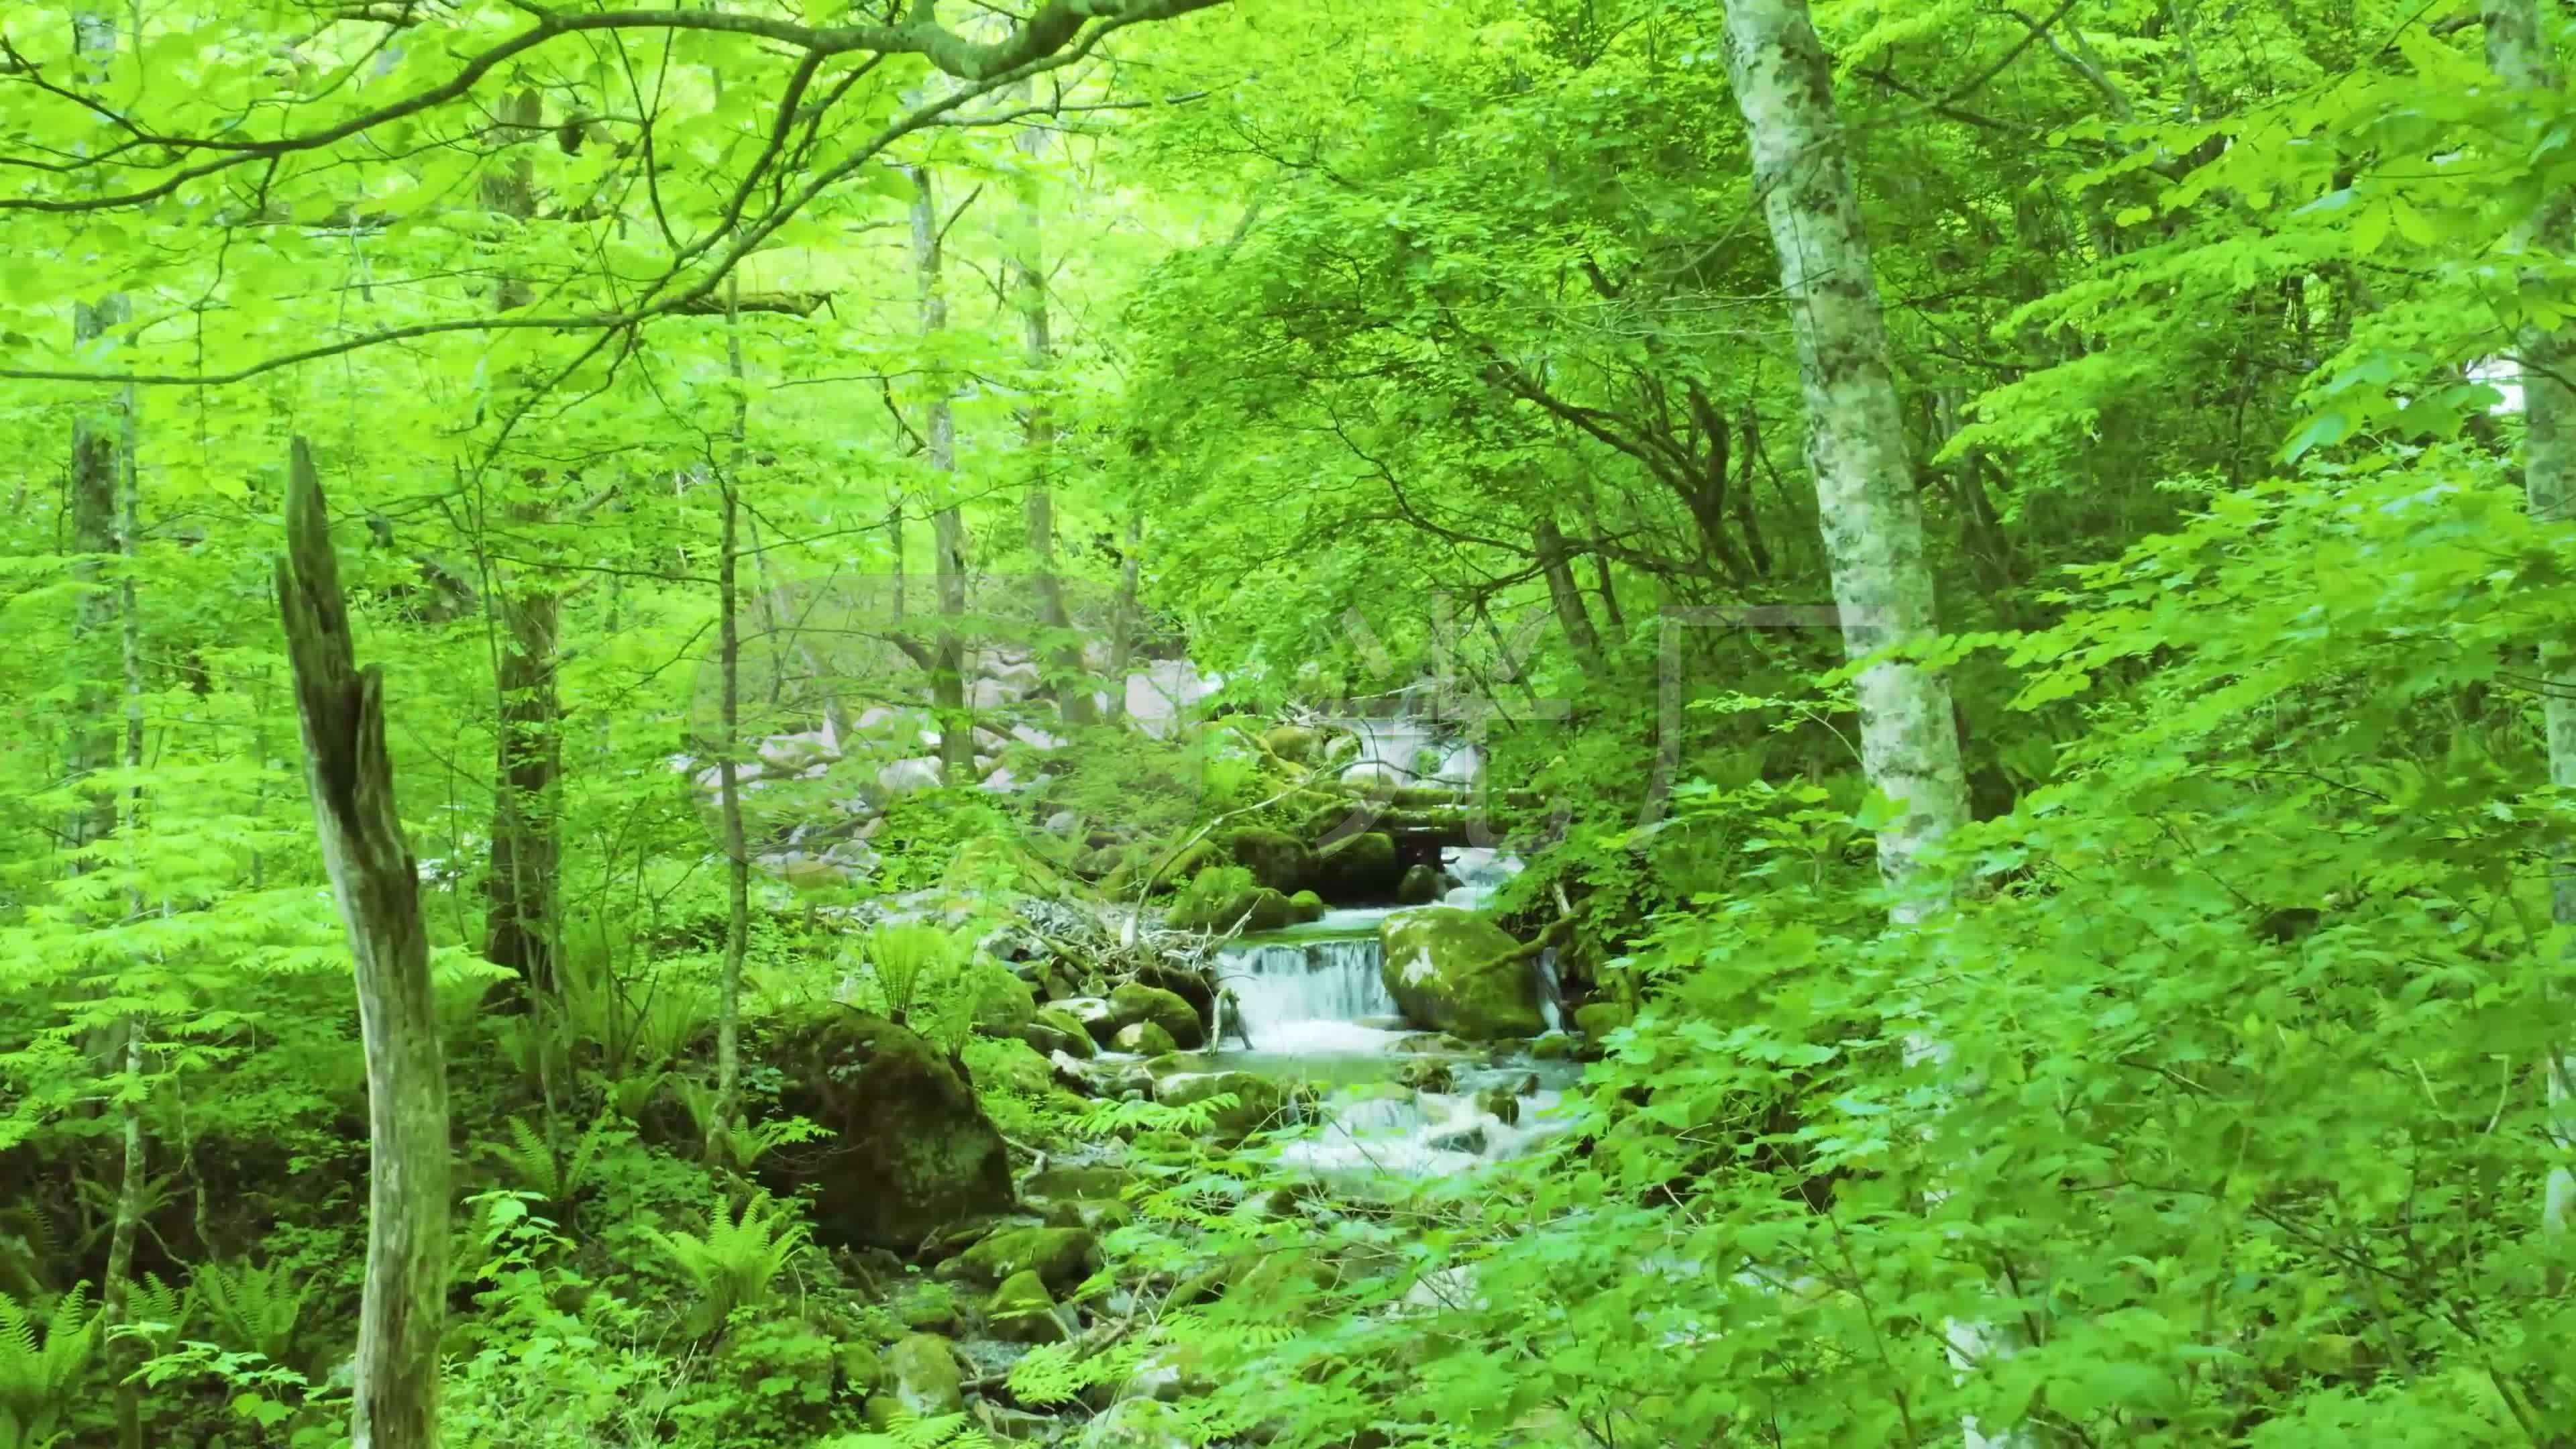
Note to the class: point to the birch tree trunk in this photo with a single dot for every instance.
(947, 526)
(1062, 653)
(340, 712)
(2519, 53)
(1865, 495)
(129, 1192)
(1125, 622)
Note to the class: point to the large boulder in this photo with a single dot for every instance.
(1455, 971)
(1006, 1005)
(909, 1150)
(1135, 1002)
(1420, 886)
(1276, 859)
(1359, 868)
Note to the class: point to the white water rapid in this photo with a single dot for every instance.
(1312, 1006)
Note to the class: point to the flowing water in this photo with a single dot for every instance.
(1310, 1005)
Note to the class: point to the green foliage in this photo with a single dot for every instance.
(43, 1356)
(913, 1431)
(536, 1160)
(254, 1309)
(735, 1264)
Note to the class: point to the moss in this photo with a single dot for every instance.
(1144, 1038)
(1455, 971)
(1308, 906)
(1276, 859)
(1064, 1023)
(911, 1149)
(1420, 886)
(1136, 1002)
(1022, 1311)
(1358, 868)
(1060, 1257)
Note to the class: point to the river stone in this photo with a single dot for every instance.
(1358, 868)
(1258, 1099)
(1135, 1424)
(1597, 1019)
(1135, 1002)
(1308, 906)
(1276, 859)
(1455, 971)
(1294, 743)
(1077, 1180)
(1190, 986)
(1060, 1257)
(858, 1363)
(1014, 1066)
(910, 1151)
(1144, 1038)
(1094, 1013)
(1007, 1005)
(1420, 886)
(1093, 1215)
(1259, 909)
(1501, 1102)
(1022, 1311)
(1063, 1034)
(919, 1375)
(1555, 1046)
(1424, 1074)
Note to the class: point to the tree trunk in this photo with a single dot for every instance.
(1870, 519)
(720, 1141)
(1061, 650)
(129, 1192)
(1124, 620)
(340, 711)
(2519, 53)
(1565, 594)
(948, 527)
(519, 930)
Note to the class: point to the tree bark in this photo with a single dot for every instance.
(1565, 594)
(1870, 519)
(1125, 621)
(947, 526)
(728, 783)
(1062, 651)
(528, 749)
(340, 712)
(2518, 52)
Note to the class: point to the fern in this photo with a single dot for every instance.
(538, 1166)
(909, 1431)
(40, 1371)
(157, 1313)
(1106, 1118)
(252, 1310)
(1059, 1373)
(736, 1264)
(745, 1142)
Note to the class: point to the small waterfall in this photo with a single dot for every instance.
(1551, 995)
(1479, 871)
(1310, 993)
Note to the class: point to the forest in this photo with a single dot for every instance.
(1222, 724)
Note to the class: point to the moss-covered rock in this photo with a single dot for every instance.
(1135, 1002)
(1141, 1423)
(919, 1375)
(1093, 1215)
(1079, 1180)
(1358, 868)
(1276, 859)
(1455, 971)
(859, 1364)
(1010, 1066)
(1420, 886)
(1500, 1101)
(1308, 906)
(1006, 1005)
(1060, 1033)
(1257, 1100)
(1093, 1014)
(1022, 1311)
(1259, 908)
(1293, 743)
(910, 1151)
(1553, 1047)
(1060, 1257)
(1597, 1019)
(1144, 1038)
